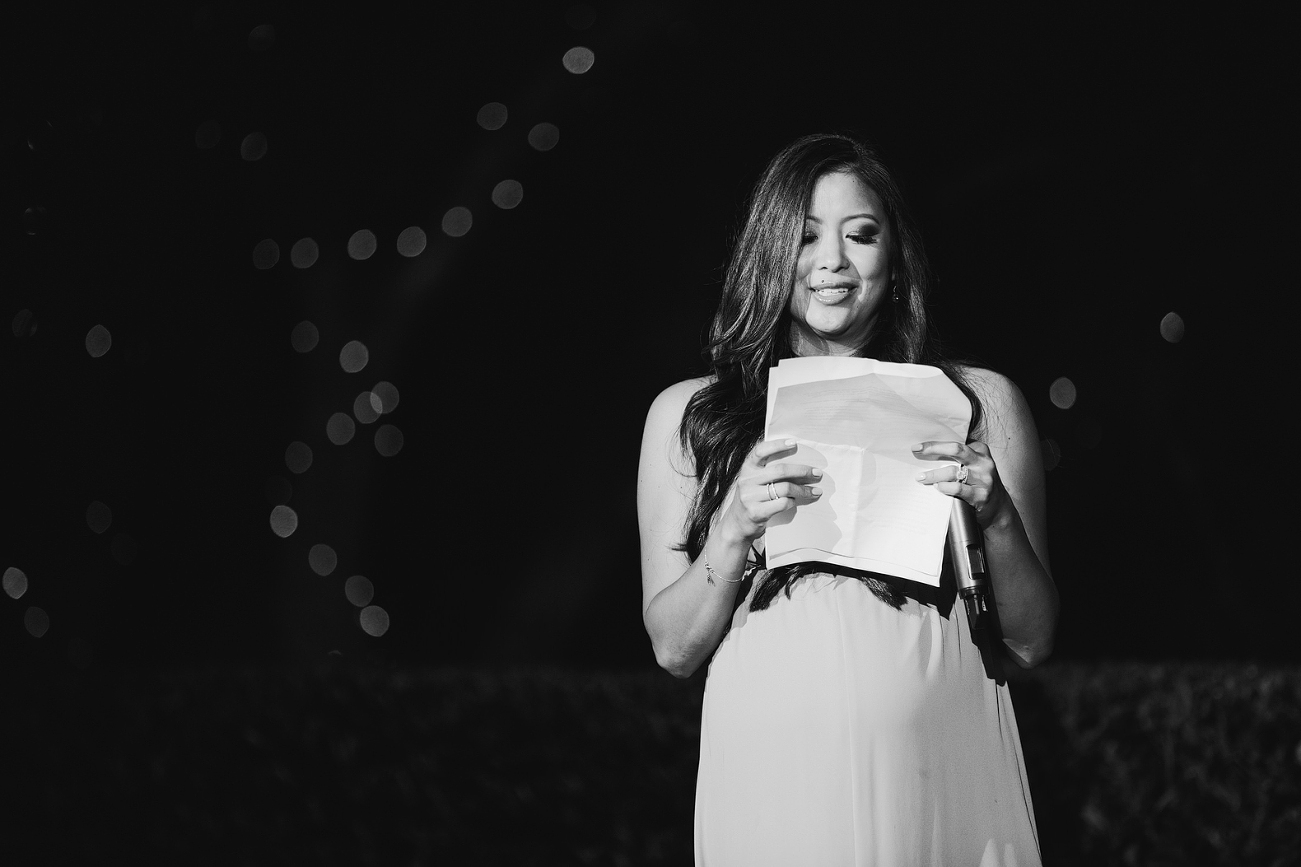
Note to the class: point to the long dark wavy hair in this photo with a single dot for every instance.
(751, 328)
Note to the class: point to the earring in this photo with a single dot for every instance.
(895, 293)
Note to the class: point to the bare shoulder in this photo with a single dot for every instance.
(660, 438)
(1005, 412)
(672, 401)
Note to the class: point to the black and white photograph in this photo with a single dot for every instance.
(649, 433)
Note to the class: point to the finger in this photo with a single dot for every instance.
(792, 491)
(942, 474)
(771, 448)
(790, 472)
(955, 489)
(941, 451)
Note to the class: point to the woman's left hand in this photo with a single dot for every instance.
(981, 487)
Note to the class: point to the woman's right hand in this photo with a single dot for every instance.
(766, 487)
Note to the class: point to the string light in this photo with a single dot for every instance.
(544, 136)
(14, 582)
(98, 341)
(457, 221)
(578, 60)
(304, 337)
(374, 620)
(322, 559)
(492, 116)
(508, 194)
(386, 394)
(99, 517)
(388, 440)
(304, 253)
(36, 621)
(412, 241)
(284, 521)
(1172, 327)
(364, 409)
(298, 457)
(359, 590)
(266, 254)
(340, 429)
(253, 147)
(354, 356)
(1062, 393)
(362, 245)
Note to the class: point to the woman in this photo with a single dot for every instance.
(847, 718)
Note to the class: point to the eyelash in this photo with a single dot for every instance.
(860, 237)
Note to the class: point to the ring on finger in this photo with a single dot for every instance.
(772, 493)
(961, 475)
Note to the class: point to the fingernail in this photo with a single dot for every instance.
(816, 473)
(919, 447)
(790, 442)
(817, 492)
(921, 477)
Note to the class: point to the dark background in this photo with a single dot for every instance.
(1078, 175)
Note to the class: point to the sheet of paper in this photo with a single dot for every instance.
(857, 419)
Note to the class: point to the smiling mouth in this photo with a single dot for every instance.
(832, 291)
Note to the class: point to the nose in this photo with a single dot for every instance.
(830, 253)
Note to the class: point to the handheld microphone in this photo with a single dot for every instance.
(967, 554)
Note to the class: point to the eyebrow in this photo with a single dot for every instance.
(872, 217)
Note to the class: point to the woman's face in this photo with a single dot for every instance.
(843, 275)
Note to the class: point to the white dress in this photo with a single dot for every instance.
(837, 730)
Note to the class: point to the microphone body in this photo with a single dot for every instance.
(967, 553)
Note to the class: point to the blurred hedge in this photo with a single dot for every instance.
(1130, 764)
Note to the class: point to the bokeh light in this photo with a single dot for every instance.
(508, 194)
(322, 559)
(359, 590)
(14, 582)
(457, 221)
(284, 521)
(304, 337)
(1062, 393)
(388, 440)
(412, 241)
(1051, 453)
(544, 136)
(278, 490)
(99, 517)
(362, 245)
(492, 116)
(36, 621)
(253, 147)
(266, 254)
(340, 429)
(24, 323)
(207, 135)
(298, 457)
(262, 37)
(385, 394)
(304, 253)
(364, 408)
(123, 549)
(354, 356)
(1172, 327)
(374, 620)
(578, 60)
(98, 341)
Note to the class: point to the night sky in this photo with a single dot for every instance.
(1078, 176)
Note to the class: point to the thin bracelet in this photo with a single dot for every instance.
(710, 574)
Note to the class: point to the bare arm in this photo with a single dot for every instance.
(1006, 485)
(684, 608)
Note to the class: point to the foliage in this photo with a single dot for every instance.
(1130, 764)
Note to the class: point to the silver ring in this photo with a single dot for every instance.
(962, 474)
(772, 495)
